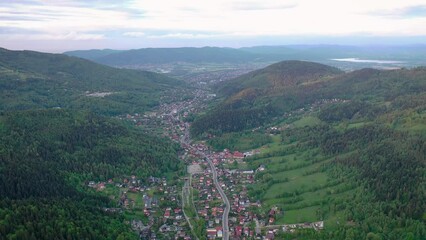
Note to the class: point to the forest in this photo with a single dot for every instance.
(263, 96)
(57, 133)
(46, 157)
(348, 148)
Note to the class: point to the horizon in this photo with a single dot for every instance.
(68, 25)
(230, 47)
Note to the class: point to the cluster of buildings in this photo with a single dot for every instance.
(152, 197)
(169, 221)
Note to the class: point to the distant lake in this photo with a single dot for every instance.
(357, 60)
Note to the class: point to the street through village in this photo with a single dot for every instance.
(214, 197)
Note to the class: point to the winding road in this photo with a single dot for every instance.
(185, 140)
(225, 215)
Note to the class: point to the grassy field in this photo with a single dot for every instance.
(299, 178)
(307, 121)
(301, 184)
(240, 141)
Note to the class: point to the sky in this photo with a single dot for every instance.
(61, 25)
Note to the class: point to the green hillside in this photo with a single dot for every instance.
(56, 135)
(277, 76)
(346, 148)
(258, 96)
(40, 80)
(261, 96)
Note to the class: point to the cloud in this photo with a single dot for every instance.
(12, 30)
(74, 36)
(414, 11)
(186, 35)
(134, 34)
(263, 5)
(418, 11)
(133, 20)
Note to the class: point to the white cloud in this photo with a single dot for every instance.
(45, 36)
(74, 36)
(303, 17)
(134, 34)
(187, 35)
(193, 19)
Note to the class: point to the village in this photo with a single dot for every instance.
(212, 193)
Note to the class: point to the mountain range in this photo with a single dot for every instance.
(410, 55)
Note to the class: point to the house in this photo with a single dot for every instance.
(238, 231)
(248, 154)
(219, 232)
(211, 233)
(238, 155)
(167, 214)
(270, 236)
(319, 225)
(92, 184)
(101, 186)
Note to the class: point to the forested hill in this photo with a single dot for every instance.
(92, 54)
(258, 97)
(40, 80)
(48, 156)
(344, 148)
(168, 55)
(277, 76)
(56, 135)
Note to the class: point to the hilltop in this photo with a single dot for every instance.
(254, 98)
(92, 54)
(260, 96)
(277, 76)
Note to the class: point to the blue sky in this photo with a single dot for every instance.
(61, 25)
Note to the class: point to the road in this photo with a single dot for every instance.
(225, 215)
(186, 140)
(185, 194)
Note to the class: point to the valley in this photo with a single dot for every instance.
(216, 203)
(294, 150)
(212, 120)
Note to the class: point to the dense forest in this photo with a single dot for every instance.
(45, 158)
(57, 134)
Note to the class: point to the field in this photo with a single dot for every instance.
(299, 180)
